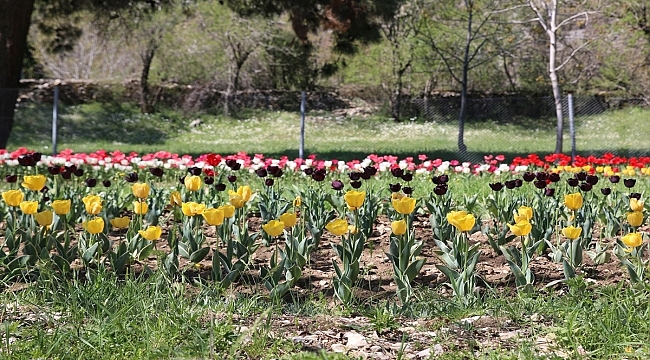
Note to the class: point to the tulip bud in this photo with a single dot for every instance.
(540, 184)
(11, 178)
(196, 171)
(407, 190)
(554, 177)
(337, 185)
(208, 180)
(355, 184)
(614, 179)
(157, 172)
(131, 177)
(309, 171)
(592, 179)
(54, 170)
(573, 182)
(582, 176)
(91, 182)
(407, 177)
(529, 176)
(220, 187)
(232, 178)
(585, 186)
(261, 172)
(549, 192)
(106, 183)
(606, 191)
(629, 183)
(540, 176)
(395, 187)
(79, 172)
(397, 172)
(496, 186)
(268, 182)
(318, 176)
(510, 184)
(354, 176)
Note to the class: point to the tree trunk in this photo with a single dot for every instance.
(147, 58)
(463, 92)
(557, 95)
(396, 102)
(15, 17)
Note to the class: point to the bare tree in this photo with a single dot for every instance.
(471, 28)
(547, 15)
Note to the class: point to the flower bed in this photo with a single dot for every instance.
(233, 215)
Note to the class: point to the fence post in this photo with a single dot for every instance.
(55, 111)
(301, 151)
(572, 128)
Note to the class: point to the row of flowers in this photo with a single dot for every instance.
(608, 164)
(40, 225)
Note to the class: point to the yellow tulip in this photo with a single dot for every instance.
(152, 233)
(273, 228)
(353, 229)
(175, 199)
(61, 207)
(13, 197)
(289, 219)
(635, 218)
(213, 216)
(524, 213)
(93, 204)
(44, 218)
(95, 226)
(398, 227)
(140, 207)
(228, 211)
(34, 182)
(521, 228)
(636, 205)
(121, 222)
(297, 202)
(632, 240)
(461, 220)
(404, 206)
(573, 201)
(192, 208)
(354, 199)
(572, 232)
(245, 192)
(396, 196)
(140, 190)
(237, 201)
(193, 183)
(337, 227)
(29, 207)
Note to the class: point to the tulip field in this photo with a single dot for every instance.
(379, 257)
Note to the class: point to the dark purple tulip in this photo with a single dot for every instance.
(220, 187)
(395, 187)
(528, 176)
(407, 177)
(397, 172)
(91, 182)
(614, 179)
(636, 196)
(156, 171)
(272, 169)
(407, 190)
(582, 176)
(79, 172)
(25, 160)
(518, 182)
(573, 182)
(355, 184)
(196, 171)
(592, 179)
(510, 184)
(37, 156)
(181, 179)
(261, 172)
(232, 178)
(133, 177)
(606, 191)
(540, 184)
(11, 178)
(66, 174)
(269, 182)
(318, 176)
(496, 186)
(71, 168)
(443, 179)
(440, 189)
(629, 183)
(278, 173)
(541, 176)
(320, 171)
(54, 170)
(45, 189)
(106, 183)
(208, 180)
(370, 170)
(233, 164)
(585, 186)
(554, 177)
(365, 175)
(549, 191)
(354, 176)
(337, 185)
(309, 171)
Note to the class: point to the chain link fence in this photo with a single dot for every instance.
(436, 119)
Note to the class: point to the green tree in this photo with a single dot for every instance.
(53, 17)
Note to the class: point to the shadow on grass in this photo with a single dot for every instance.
(118, 123)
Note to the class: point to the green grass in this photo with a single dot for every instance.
(90, 127)
(146, 318)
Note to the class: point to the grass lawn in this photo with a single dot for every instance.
(90, 127)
